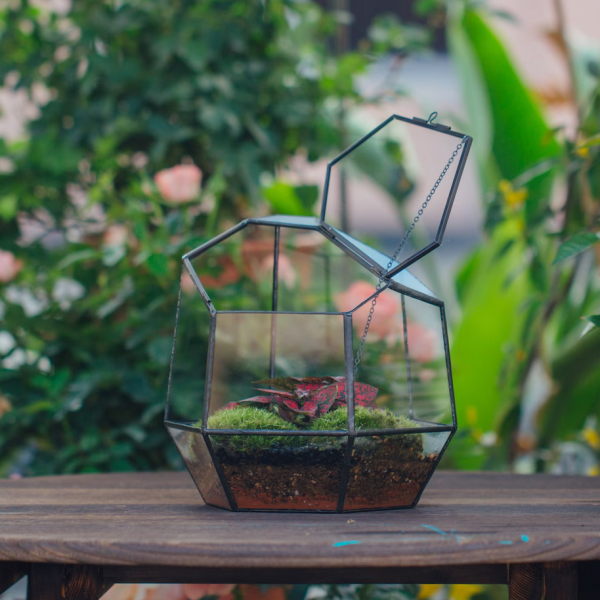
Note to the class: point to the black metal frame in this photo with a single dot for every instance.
(345, 243)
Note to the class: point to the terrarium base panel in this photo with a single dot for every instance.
(391, 471)
(283, 477)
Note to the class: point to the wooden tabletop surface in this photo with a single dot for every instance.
(159, 519)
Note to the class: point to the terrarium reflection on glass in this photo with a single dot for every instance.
(265, 403)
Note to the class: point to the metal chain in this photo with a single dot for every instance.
(403, 241)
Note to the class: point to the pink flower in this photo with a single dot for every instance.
(180, 183)
(386, 312)
(195, 591)
(421, 343)
(9, 266)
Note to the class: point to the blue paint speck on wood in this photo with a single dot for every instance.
(435, 529)
(348, 543)
(525, 538)
(506, 542)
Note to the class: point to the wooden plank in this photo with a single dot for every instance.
(10, 573)
(159, 518)
(65, 582)
(526, 582)
(454, 574)
(560, 581)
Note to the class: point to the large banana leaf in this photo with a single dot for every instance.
(505, 115)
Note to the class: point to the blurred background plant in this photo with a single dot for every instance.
(148, 126)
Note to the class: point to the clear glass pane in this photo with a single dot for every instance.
(315, 275)
(291, 220)
(405, 277)
(253, 347)
(404, 358)
(282, 473)
(196, 457)
(188, 366)
(237, 273)
(386, 180)
(391, 470)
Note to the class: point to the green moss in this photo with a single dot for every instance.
(246, 417)
(364, 418)
(249, 417)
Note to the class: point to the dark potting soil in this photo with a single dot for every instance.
(384, 472)
(279, 478)
(387, 472)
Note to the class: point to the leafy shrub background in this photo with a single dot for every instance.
(237, 88)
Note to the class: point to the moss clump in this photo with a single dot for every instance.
(247, 417)
(250, 417)
(364, 418)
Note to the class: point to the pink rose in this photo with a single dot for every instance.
(421, 343)
(180, 183)
(386, 313)
(9, 266)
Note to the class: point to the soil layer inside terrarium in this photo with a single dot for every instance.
(387, 472)
(384, 472)
(281, 477)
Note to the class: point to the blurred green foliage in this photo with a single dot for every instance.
(131, 88)
(527, 370)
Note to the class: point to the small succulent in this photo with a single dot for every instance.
(302, 400)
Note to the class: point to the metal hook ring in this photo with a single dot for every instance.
(432, 117)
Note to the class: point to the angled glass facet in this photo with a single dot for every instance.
(190, 353)
(250, 347)
(404, 357)
(382, 172)
(197, 459)
(390, 471)
(283, 473)
(237, 272)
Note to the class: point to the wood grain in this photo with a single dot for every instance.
(159, 519)
(65, 582)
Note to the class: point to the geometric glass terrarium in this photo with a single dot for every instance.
(268, 404)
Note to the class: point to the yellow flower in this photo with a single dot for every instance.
(590, 435)
(583, 152)
(471, 416)
(427, 590)
(513, 198)
(593, 471)
(464, 592)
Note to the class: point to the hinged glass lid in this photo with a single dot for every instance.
(381, 170)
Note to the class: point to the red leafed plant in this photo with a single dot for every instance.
(301, 401)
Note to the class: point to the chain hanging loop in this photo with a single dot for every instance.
(378, 288)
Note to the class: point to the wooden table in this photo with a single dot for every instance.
(77, 535)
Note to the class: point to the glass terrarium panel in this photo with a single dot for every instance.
(197, 459)
(379, 259)
(404, 358)
(288, 220)
(188, 363)
(237, 272)
(385, 181)
(315, 275)
(282, 473)
(253, 347)
(390, 471)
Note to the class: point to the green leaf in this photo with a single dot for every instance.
(284, 199)
(590, 142)
(158, 264)
(521, 138)
(595, 319)
(578, 243)
(8, 207)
